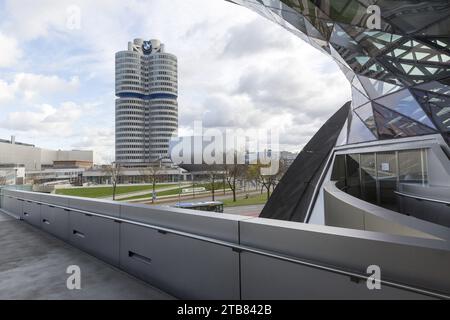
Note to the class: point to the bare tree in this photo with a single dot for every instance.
(214, 172)
(2, 180)
(270, 181)
(232, 173)
(113, 171)
(152, 174)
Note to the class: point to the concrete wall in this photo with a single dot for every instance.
(198, 255)
(432, 211)
(345, 211)
(18, 154)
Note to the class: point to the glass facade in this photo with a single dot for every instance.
(374, 177)
(399, 71)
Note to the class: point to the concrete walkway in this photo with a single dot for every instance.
(33, 266)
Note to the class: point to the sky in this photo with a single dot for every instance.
(236, 70)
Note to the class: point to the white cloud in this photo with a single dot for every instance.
(6, 94)
(29, 86)
(10, 52)
(44, 120)
(99, 139)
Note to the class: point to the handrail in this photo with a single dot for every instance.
(239, 248)
(408, 195)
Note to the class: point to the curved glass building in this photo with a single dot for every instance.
(389, 146)
(146, 104)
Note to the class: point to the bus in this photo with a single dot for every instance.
(212, 206)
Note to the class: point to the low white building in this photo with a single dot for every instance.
(20, 162)
(33, 158)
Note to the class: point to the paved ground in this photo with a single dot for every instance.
(33, 266)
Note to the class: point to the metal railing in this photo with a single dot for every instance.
(411, 196)
(241, 248)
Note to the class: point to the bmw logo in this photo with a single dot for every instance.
(147, 47)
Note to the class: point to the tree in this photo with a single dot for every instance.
(253, 174)
(151, 174)
(232, 173)
(2, 180)
(268, 181)
(114, 172)
(214, 171)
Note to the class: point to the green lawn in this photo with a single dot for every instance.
(240, 201)
(218, 187)
(162, 193)
(100, 192)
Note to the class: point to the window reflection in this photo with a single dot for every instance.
(374, 177)
(368, 178)
(352, 176)
(412, 165)
(387, 179)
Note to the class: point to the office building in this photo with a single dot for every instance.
(146, 104)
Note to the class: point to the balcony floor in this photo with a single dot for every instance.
(33, 266)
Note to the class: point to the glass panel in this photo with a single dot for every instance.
(358, 131)
(376, 88)
(358, 99)
(387, 179)
(341, 38)
(410, 16)
(358, 85)
(338, 173)
(366, 114)
(352, 175)
(425, 165)
(368, 178)
(436, 105)
(393, 125)
(411, 168)
(403, 102)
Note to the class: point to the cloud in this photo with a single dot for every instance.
(99, 139)
(10, 52)
(295, 85)
(45, 120)
(253, 38)
(29, 86)
(6, 94)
